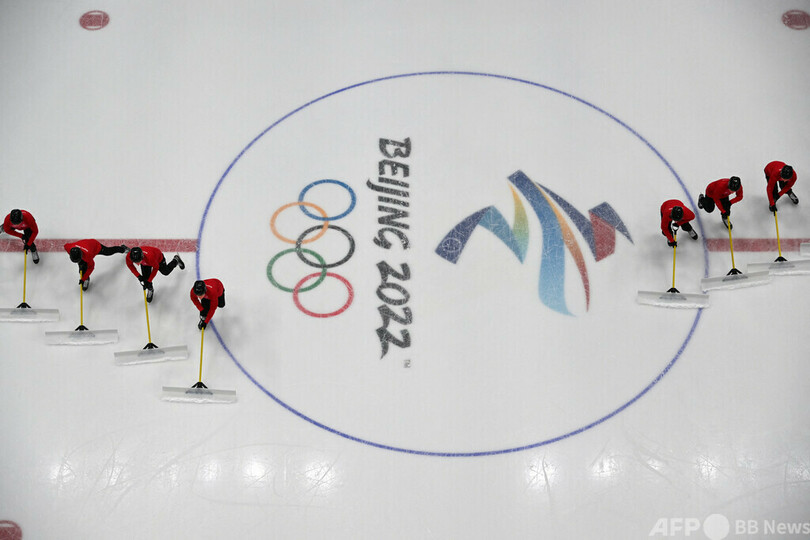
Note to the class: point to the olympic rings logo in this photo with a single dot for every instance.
(303, 253)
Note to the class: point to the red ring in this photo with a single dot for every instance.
(323, 315)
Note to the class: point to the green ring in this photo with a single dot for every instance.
(289, 289)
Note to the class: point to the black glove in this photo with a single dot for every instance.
(202, 324)
(146, 285)
(772, 208)
(672, 244)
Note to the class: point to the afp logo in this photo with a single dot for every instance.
(598, 230)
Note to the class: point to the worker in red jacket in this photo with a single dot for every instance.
(675, 214)
(207, 295)
(82, 252)
(718, 194)
(780, 178)
(151, 260)
(22, 224)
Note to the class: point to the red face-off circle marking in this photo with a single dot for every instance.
(94, 20)
(10, 530)
(796, 19)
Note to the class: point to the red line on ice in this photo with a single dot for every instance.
(167, 245)
(756, 244)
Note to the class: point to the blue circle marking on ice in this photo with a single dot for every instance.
(327, 218)
(472, 453)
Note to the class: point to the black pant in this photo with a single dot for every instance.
(777, 188)
(26, 235)
(106, 251)
(206, 304)
(708, 205)
(164, 268)
(686, 227)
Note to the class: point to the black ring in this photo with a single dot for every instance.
(300, 253)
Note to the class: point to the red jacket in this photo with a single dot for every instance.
(666, 208)
(773, 172)
(213, 290)
(718, 190)
(152, 257)
(90, 248)
(28, 222)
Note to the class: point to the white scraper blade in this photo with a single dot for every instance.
(198, 395)
(82, 337)
(148, 356)
(677, 300)
(735, 281)
(19, 314)
(782, 268)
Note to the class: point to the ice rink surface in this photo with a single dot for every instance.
(516, 391)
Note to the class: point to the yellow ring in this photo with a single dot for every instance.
(298, 203)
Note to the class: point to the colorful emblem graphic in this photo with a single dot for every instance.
(599, 230)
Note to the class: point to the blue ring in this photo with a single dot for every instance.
(327, 218)
(412, 451)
